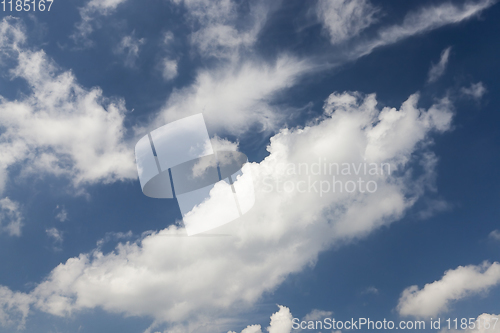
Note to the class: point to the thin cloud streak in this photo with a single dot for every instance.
(437, 70)
(420, 21)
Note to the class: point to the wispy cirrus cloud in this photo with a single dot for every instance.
(11, 218)
(55, 234)
(169, 69)
(129, 47)
(168, 64)
(57, 238)
(62, 214)
(248, 87)
(420, 21)
(437, 70)
(495, 235)
(222, 31)
(343, 19)
(91, 11)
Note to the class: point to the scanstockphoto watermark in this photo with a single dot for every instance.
(324, 177)
(362, 323)
(358, 324)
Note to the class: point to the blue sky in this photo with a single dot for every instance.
(409, 83)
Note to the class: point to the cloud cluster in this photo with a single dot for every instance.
(435, 298)
(59, 127)
(172, 278)
(238, 94)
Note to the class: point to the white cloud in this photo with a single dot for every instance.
(344, 19)
(220, 144)
(434, 206)
(316, 314)
(168, 37)
(235, 97)
(495, 235)
(88, 13)
(235, 94)
(436, 297)
(114, 236)
(55, 234)
(59, 127)
(421, 21)
(62, 214)
(437, 70)
(281, 322)
(476, 90)
(130, 46)
(222, 31)
(371, 290)
(14, 308)
(281, 235)
(252, 329)
(168, 64)
(11, 35)
(172, 278)
(57, 238)
(239, 93)
(169, 69)
(10, 217)
(216, 144)
(217, 35)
